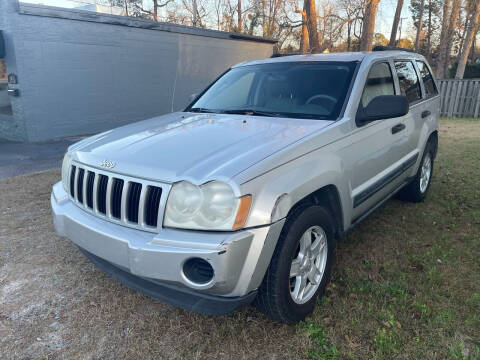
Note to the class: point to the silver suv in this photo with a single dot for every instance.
(241, 197)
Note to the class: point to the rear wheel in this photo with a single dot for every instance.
(416, 190)
(300, 266)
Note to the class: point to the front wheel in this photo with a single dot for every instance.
(300, 266)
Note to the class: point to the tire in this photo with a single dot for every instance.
(417, 189)
(275, 296)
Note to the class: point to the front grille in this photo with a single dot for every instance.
(102, 194)
(72, 180)
(116, 198)
(81, 173)
(132, 202)
(151, 205)
(90, 183)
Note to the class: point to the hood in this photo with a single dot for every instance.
(194, 147)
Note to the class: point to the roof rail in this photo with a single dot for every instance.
(388, 48)
(287, 54)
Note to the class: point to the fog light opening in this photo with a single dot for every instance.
(198, 271)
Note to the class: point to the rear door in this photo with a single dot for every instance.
(410, 86)
(429, 109)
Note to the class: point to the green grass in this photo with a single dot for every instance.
(407, 281)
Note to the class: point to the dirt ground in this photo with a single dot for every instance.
(406, 284)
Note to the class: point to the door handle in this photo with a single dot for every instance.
(425, 114)
(398, 128)
(13, 92)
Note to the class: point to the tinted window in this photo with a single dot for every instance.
(379, 82)
(427, 78)
(408, 79)
(314, 90)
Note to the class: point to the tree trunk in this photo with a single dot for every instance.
(155, 10)
(474, 44)
(420, 24)
(472, 31)
(464, 33)
(195, 13)
(396, 20)
(264, 18)
(304, 33)
(442, 48)
(311, 12)
(429, 31)
(369, 25)
(450, 32)
(349, 39)
(239, 16)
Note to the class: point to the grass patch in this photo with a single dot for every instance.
(406, 282)
(405, 285)
(322, 348)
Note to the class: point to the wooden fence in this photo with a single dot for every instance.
(460, 98)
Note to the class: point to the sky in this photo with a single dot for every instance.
(385, 14)
(383, 24)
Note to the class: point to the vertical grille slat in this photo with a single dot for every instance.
(152, 205)
(116, 198)
(119, 199)
(72, 181)
(89, 194)
(102, 194)
(133, 200)
(81, 173)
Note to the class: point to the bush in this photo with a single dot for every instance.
(472, 71)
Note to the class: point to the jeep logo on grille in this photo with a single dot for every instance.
(108, 164)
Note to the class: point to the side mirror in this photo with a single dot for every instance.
(383, 107)
(193, 97)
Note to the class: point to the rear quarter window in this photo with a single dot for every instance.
(427, 78)
(408, 80)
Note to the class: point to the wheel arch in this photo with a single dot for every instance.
(433, 139)
(327, 196)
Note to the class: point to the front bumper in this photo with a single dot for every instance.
(184, 298)
(239, 259)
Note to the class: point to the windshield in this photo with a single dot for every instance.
(314, 90)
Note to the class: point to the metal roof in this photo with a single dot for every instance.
(85, 15)
(341, 56)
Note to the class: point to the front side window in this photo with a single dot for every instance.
(428, 82)
(379, 82)
(313, 90)
(408, 80)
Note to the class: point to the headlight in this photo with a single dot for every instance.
(211, 206)
(66, 164)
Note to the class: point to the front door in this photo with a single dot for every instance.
(380, 150)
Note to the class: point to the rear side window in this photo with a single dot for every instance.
(408, 80)
(379, 82)
(427, 78)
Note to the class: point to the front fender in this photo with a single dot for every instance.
(289, 183)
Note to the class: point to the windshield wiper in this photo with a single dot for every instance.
(250, 112)
(201, 110)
